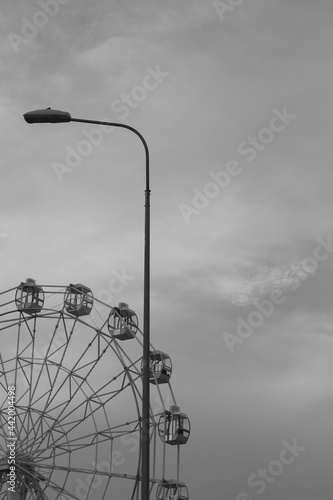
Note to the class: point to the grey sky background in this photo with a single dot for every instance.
(258, 241)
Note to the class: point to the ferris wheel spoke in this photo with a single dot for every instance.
(62, 493)
(3, 378)
(59, 425)
(45, 360)
(71, 377)
(79, 470)
(99, 398)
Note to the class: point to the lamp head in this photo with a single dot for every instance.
(47, 116)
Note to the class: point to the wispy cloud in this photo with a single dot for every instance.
(242, 285)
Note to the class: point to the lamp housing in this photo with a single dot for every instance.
(47, 115)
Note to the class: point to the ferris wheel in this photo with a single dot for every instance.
(70, 400)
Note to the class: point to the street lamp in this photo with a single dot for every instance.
(54, 116)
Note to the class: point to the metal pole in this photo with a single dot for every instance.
(145, 434)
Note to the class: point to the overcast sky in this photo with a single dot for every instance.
(234, 100)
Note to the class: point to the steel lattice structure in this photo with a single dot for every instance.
(70, 396)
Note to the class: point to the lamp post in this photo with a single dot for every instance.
(54, 116)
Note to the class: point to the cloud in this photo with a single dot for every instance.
(116, 53)
(245, 286)
(242, 285)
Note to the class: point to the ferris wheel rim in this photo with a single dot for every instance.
(130, 371)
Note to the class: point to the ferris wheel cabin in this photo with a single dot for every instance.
(172, 490)
(160, 368)
(174, 427)
(29, 297)
(78, 300)
(123, 322)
